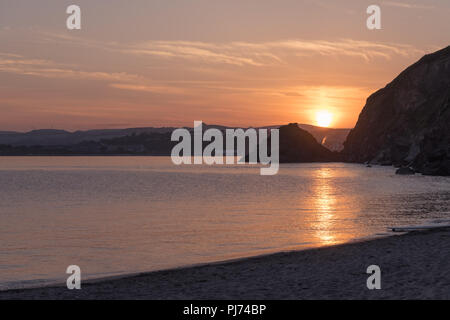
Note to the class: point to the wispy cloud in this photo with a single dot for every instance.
(209, 53)
(267, 53)
(149, 88)
(18, 64)
(407, 5)
(242, 53)
(239, 54)
(3, 54)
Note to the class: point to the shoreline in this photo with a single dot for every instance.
(53, 283)
(415, 265)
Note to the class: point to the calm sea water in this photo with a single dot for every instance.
(121, 215)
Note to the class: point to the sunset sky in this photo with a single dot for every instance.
(238, 63)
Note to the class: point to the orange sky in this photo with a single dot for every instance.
(237, 63)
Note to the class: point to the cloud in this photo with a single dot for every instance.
(256, 54)
(345, 47)
(208, 53)
(149, 88)
(407, 5)
(221, 81)
(267, 53)
(13, 55)
(17, 64)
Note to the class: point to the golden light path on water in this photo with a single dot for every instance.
(327, 204)
(121, 215)
(324, 202)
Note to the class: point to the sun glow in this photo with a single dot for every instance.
(323, 118)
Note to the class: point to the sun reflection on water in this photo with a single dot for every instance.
(324, 203)
(326, 207)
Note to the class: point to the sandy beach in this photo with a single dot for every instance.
(413, 266)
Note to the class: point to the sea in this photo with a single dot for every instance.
(115, 216)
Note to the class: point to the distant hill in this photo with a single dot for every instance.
(50, 139)
(407, 123)
(298, 145)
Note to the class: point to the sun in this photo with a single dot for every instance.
(323, 118)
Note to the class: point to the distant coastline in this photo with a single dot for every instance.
(116, 142)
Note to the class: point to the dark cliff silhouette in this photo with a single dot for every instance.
(297, 145)
(408, 122)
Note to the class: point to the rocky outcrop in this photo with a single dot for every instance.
(298, 145)
(408, 122)
(405, 171)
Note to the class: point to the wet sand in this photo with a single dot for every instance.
(413, 266)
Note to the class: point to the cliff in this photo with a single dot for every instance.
(298, 145)
(407, 122)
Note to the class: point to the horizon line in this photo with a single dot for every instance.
(165, 127)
